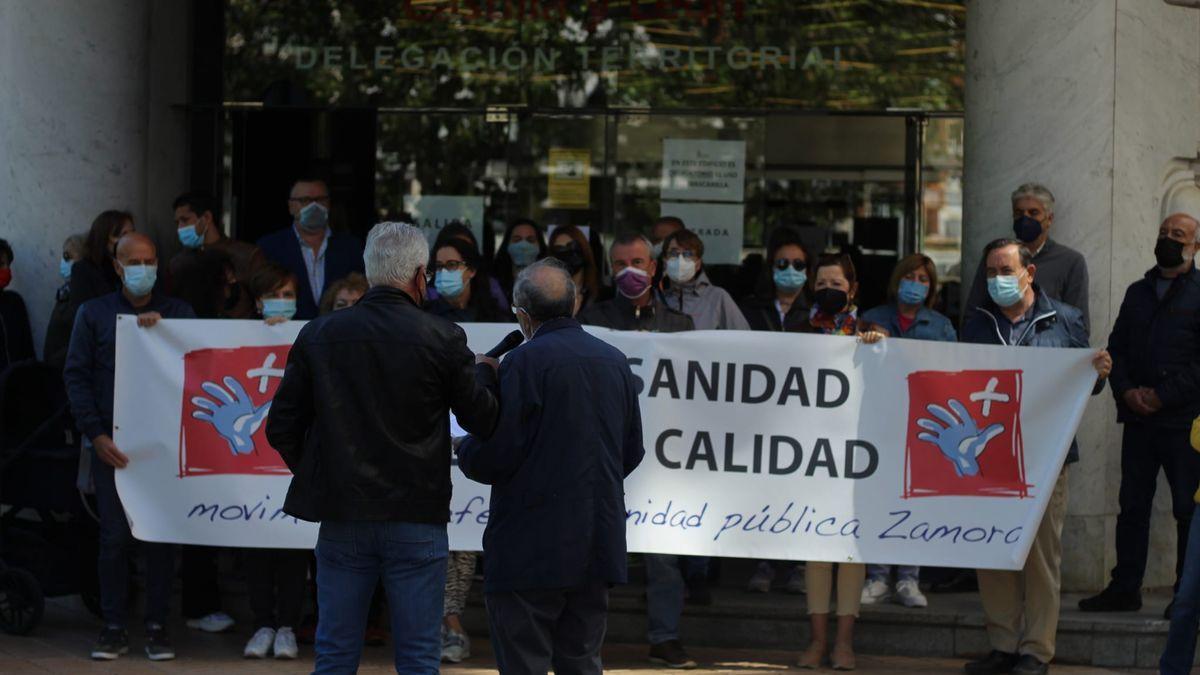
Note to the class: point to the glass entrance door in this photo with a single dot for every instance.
(855, 182)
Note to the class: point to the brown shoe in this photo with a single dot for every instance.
(843, 657)
(812, 657)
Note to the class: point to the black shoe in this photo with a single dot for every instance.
(996, 663)
(964, 581)
(671, 655)
(1028, 664)
(112, 643)
(1112, 600)
(158, 643)
(698, 591)
(1167, 611)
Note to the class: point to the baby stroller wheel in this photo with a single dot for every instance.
(21, 601)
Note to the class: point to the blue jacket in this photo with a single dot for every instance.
(928, 325)
(569, 433)
(92, 356)
(343, 255)
(1054, 324)
(1156, 343)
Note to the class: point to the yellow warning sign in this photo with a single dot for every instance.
(568, 176)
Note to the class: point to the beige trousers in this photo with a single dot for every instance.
(1021, 608)
(818, 578)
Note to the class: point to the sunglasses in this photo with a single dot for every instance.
(798, 264)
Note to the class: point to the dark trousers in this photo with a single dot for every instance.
(116, 541)
(201, 592)
(542, 630)
(275, 579)
(1144, 451)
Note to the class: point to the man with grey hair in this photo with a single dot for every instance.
(1155, 345)
(362, 419)
(637, 305)
(569, 433)
(1062, 271)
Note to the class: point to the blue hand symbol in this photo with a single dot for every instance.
(233, 414)
(960, 440)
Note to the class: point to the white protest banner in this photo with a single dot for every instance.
(720, 227)
(758, 445)
(433, 212)
(703, 170)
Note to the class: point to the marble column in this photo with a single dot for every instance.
(1097, 99)
(86, 124)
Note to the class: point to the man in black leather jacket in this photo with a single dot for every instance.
(362, 419)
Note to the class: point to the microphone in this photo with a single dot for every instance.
(509, 343)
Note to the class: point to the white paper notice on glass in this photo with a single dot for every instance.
(703, 170)
(720, 226)
(433, 212)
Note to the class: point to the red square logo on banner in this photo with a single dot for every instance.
(964, 435)
(226, 398)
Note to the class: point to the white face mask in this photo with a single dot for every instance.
(681, 270)
(517, 312)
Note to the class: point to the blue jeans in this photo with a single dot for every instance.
(115, 543)
(883, 572)
(664, 596)
(1185, 615)
(352, 557)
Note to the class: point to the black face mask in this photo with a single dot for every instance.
(1027, 229)
(831, 300)
(1168, 253)
(569, 256)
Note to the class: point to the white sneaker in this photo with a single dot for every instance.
(260, 645)
(217, 622)
(875, 590)
(456, 646)
(909, 594)
(795, 582)
(285, 644)
(761, 581)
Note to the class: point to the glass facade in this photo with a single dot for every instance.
(838, 117)
(812, 54)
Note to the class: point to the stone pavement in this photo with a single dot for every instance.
(61, 643)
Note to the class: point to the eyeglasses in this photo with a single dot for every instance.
(451, 265)
(798, 264)
(682, 253)
(305, 201)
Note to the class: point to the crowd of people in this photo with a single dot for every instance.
(1030, 291)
